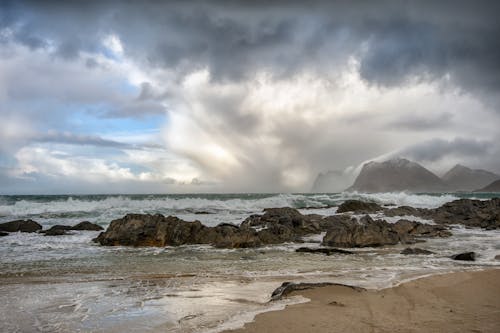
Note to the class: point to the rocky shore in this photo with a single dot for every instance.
(346, 229)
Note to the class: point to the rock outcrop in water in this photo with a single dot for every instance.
(58, 230)
(20, 225)
(367, 232)
(280, 225)
(275, 226)
(471, 213)
(358, 206)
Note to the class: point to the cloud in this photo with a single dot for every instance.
(252, 96)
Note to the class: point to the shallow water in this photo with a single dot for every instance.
(69, 284)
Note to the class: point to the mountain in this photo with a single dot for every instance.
(461, 178)
(331, 182)
(493, 187)
(394, 175)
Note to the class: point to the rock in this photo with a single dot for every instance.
(157, 230)
(472, 213)
(151, 230)
(410, 229)
(2, 234)
(55, 232)
(287, 287)
(367, 232)
(403, 210)
(20, 225)
(324, 250)
(497, 257)
(415, 250)
(466, 256)
(86, 225)
(358, 206)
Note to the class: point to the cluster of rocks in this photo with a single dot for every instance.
(471, 213)
(275, 226)
(32, 226)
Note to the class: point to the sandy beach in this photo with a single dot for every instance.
(456, 302)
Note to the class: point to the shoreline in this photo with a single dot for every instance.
(450, 302)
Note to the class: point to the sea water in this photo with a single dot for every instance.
(70, 284)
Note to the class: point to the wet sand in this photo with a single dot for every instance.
(456, 302)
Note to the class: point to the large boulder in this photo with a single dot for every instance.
(2, 233)
(411, 229)
(20, 225)
(358, 206)
(151, 230)
(363, 233)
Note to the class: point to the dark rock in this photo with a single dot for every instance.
(472, 213)
(20, 225)
(151, 230)
(415, 250)
(367, 232)
(466, 256)
(324, 250)
(497, 257)
(403, 210)
(86, 225)
(410, 229)
(55, 232)
(288, 287)
(3, 233)
(358, 206)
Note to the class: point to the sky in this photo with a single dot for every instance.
(241, 96)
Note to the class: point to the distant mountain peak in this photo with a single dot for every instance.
(396, 174)
(462, 178)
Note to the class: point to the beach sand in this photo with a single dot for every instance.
(456, 302)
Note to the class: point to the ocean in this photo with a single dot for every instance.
(70, 284)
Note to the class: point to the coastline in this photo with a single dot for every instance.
(452, 302)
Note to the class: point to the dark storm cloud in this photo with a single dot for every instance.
(437, 149)
(394, 41)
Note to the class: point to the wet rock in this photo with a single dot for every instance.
(151, 230)
(497, 257)
(466, 256)
(415, 250)
(323, 250)
(20, 225)
(363, 233)
(370, 233)
(157, 230)
(288, 287)
(358, 206)
(404, 210)
(55, 232)
(2, 234)
(86, 225)
(472, 213)
(408, 230)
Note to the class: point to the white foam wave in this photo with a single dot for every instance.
(403, 198)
